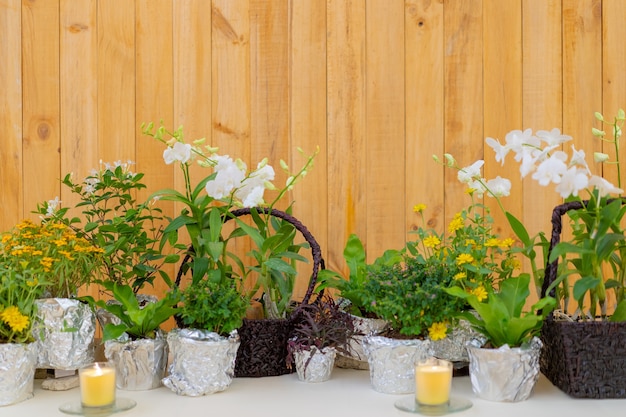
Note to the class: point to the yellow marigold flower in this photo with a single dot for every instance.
(493, 242)
(16, 320)
(507, 243)
(464, 258)
(431, 241)
(480, 293)
(455, 224)
(437, 331)
(418, 208)
(460, 275)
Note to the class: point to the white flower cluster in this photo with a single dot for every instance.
(540, 155)
(231, 175)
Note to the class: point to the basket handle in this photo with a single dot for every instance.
(318, 261)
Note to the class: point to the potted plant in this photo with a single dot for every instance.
(229, 192)
(321, 329)
(204, 348)
(63, 262)
(20, 286)
(134, 342)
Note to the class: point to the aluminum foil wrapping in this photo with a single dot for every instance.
(392, 362)
(139, 364)
(453, 347)
(17, 371)
(65, 330)
(504, 374)
(203, 362)
(319, 367)
(356, 359)
(104, 317)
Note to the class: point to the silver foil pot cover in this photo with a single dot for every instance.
(65, 329)
(17, 371)
(315, 365)
(203, 362)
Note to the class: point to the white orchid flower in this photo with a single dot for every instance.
(604, 187)
(572, 182)
(551, 169)
(553, 137)
(499, 187)
(179, 152)
(472, 172)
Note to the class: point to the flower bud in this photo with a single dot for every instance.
(600, 157)
(449, 159)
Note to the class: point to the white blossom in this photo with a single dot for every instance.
(178, 152)
(604, 187)
(52, 206)
(553, 137)
(551, 169)
(572, 182)
(254, 197)
(499, 187)
(500, 150)
(472, 172)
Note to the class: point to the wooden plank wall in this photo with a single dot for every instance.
(378, 85)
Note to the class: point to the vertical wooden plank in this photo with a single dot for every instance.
(154, 95)
(542, 100)
(613, 80)
(345, 67)
(116, 80)
(269, 90)
(385, 155)
(40, 71)
(424, 95)
(582, 73)
(307, 108)
(11, 181)
(463, 85)
(79, 117)
(502, 51)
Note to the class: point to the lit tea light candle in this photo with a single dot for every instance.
(433, 381)
(97, 385)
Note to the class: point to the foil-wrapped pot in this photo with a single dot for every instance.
(65, 329)
(356, 358)
(139, 364)
(453, 346)
(392, 362)
(104, 317)
(315, 365)
(203, 362)
(17, 371)
(504, 374)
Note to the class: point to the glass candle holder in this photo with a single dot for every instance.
(433, 381)
(97, 385)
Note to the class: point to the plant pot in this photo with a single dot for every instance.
(356, 359)
(392, 362)
(65, 329)
(140, 364)
(17, 371)
(453, 347)
(263, 349)
(203, 362)
(315, 365)
(504, 374)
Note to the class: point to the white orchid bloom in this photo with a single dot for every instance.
(551, 169)
(478, 185)
(553, 137)
(52, 206)
(572, 182)
(472, 172)
(518, 142)
(254, 197)
(578, 158)
(500, 150)
(604, 187)
(179, 152)
(499, 187)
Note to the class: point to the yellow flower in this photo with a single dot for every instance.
(464, 258)
(493, 242)
(16, 320)
(419, 208)
(460, 275)
(437, 331)
(431, 241)
(480, 293)
(456, 223)
(507, 243)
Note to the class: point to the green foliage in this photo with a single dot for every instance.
(129, 231)
(213, 306)
(501, 317)
(138, 321)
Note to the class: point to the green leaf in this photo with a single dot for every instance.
(583, 285)
(620, 312)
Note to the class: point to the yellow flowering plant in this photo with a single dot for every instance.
(51, 253)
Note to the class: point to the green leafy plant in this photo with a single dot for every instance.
(138, 321)
(208, 205)
(213, 306)
(502, 317)
(129, 231)
(51, 253)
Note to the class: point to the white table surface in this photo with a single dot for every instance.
(347, 394)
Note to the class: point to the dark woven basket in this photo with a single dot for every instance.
(263, 348)
(583, 359)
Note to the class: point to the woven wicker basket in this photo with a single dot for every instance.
(263, 348)
(583, 359)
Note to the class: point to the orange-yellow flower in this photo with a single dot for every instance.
(431, 241)
(437, 331)
(480, 293)
(464, 258)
